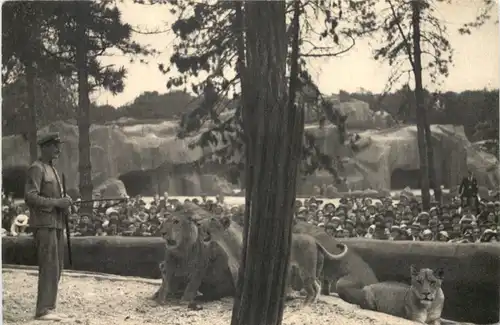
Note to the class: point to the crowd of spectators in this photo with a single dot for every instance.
(399, 218)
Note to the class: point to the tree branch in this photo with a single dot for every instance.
(317, 55)
(405, 40)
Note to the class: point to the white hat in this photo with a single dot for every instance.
(21, 220)
(427, 232)
(109, 211)
(444, 234)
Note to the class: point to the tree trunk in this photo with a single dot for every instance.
(32, 111)
(434, 180)
(420, 107)
(273, 130)
(84, 163)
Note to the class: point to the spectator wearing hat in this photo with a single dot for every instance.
(427, 235)
(329, 209)
(19, 225)
(370, 232)
(415, 231)
(443, 236)
(43, 195)
(302, 214)
(395, 233)
(467, 235)
(489, 236)
(335, 222)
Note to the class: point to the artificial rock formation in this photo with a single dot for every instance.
(377, 159)
(124, 152)
(151, 159)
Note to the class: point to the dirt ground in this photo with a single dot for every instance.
(96, 299)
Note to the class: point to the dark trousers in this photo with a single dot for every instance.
(50, 252)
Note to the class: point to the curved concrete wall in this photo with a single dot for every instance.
(471, 272)
(471, 284)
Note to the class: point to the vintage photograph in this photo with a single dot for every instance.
(250, 162)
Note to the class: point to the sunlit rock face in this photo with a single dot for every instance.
(146, 157)
(149, 158)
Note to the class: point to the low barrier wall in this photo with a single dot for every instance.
(471, 271)
(128, 256)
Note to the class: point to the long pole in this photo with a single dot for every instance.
(66, 221)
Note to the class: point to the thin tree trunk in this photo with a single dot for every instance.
(32, 111)
(420, 106)
(273, 129)
(433, 177)
(435, 182)
(84, 163)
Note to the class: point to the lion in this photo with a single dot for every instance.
(351, 273)
(422, 301)
(306, 260)
(191, 266)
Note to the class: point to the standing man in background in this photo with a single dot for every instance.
(43, 195)
(468, 191)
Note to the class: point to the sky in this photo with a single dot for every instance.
(476, 56)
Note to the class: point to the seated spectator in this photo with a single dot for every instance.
(100, 232)
(489, 236)
(19, 225)
(443, 236)
(426, 235)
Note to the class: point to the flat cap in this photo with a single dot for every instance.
(49, 138)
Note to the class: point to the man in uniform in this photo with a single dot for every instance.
(48, 208)
(468, 191)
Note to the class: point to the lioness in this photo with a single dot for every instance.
(422, 301)
(351, 273)
(191, 266)
(307, 255)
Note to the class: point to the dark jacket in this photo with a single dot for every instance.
(468, 188)
(41, 189)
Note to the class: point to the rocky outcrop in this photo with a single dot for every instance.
(111, 188)
(375, 157)
(117, 151)
(151, 156)
(360, 116)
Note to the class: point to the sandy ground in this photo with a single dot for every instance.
(96, 299)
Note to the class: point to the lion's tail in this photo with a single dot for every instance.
(331, 256)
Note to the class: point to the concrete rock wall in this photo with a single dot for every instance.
(369, 162)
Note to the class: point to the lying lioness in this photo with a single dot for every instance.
(422, 301)
(307, 255)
